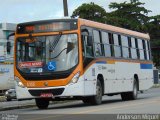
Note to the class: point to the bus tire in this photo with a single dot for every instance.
(124, 96)
(42, 103)
(97, 99)
(131, 95)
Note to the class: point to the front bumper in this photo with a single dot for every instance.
(69, 90)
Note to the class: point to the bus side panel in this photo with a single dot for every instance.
(145, 78)
(125, 75)
(76, 89)
(108, 72)
(125, 72)
(90, 79)
(118, 77)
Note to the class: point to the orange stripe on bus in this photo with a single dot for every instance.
(110, 62)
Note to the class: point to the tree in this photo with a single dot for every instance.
(90, 11)
(154, 31)
(154, 27)
(130, 15)
(134, 16)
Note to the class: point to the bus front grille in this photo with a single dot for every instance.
(57, 91)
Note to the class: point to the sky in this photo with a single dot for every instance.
(18, 11)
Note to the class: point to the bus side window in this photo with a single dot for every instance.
(110, 36)
(147, 50)
(138, 53)
(125, 46)
(130, 45)
(97, 43)
(117, 45)
(87, 45)
(144, 49)
(134, 54)
(107, 45)
(141, 51)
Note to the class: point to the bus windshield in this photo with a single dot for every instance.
(47, 53)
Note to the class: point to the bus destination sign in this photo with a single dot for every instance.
(46, 27)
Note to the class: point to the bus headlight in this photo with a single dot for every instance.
(19, 83)
(75, 78)
(6, 92)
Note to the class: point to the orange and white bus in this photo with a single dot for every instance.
(80, 59)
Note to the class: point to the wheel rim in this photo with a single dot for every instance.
(98, 92)
(135, 90)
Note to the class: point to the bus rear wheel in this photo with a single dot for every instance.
(131, 95)
(42, 103)
(97, 99)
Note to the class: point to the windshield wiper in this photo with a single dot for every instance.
(54, 44)
(59, 53)
(69, 48)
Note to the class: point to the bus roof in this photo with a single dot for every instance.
(113, 28)
(94, 24)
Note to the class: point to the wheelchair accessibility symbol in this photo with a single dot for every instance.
(52, 66)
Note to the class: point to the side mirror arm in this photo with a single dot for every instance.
(12, 34)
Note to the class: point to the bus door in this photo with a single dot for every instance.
(88, 57)
(109, 69)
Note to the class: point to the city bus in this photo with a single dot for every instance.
(80, 59)
(6, 67)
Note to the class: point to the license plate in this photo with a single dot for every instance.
(46, 95)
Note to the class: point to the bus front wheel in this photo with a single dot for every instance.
(42, 103)
(97, 99)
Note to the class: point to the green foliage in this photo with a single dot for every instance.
(154, 27)
(156, 57)
(154, 30)
(91, 12)
(129, 15)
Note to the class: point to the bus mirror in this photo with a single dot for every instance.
(12, 34)
(89, 41)
(8, 47)
(70, 47)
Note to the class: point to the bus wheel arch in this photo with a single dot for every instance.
(132, 95)
(101, 79)
(136, 79)
(96, 99)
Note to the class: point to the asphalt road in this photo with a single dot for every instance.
(147, 103)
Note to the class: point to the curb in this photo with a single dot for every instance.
(17, 107)
(156, 86)
(31, 105)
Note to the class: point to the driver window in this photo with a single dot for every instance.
(87, 49)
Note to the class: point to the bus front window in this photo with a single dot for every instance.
(47, 53)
